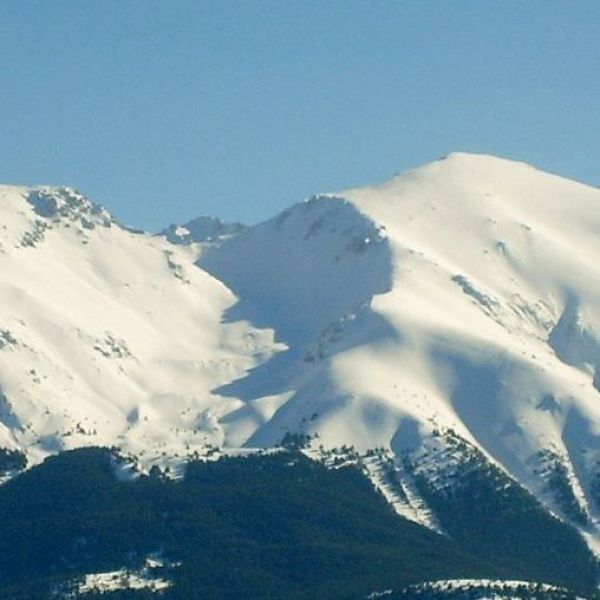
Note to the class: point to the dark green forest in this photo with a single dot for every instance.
(491, 515)
(269, 526)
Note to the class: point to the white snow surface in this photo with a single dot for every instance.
(143, 578)
(113, 581)
(110, 337)
(464, 294)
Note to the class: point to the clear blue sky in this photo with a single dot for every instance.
(165, 110)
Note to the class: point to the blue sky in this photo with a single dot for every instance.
(165, 110)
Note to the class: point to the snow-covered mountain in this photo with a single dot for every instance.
(109, 336)
(462, 297)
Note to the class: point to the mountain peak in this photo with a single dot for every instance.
(202, 229)
(28, 214)
(460, 156)
(468, 164)
(66, 203)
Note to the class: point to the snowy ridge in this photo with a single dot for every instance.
(302, 259)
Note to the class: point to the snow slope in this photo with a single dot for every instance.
(108, 336)
(462, 295)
